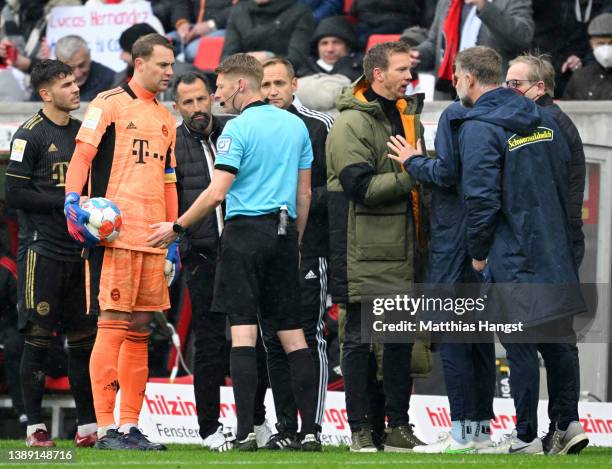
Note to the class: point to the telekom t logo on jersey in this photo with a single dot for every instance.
(140, 149)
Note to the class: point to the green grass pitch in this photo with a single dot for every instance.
(188, 456)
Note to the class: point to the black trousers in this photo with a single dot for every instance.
(397, 382)
(313, 293)
(211, 357)
(563, 384)
(469, 373)
(563, 380)
(525, 384)
(211, 352)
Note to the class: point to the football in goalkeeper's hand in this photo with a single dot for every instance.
(104, 218)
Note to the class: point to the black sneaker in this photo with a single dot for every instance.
(135, 439)
(112, 440)
(283, 440)
(547, 441)
(234, 444)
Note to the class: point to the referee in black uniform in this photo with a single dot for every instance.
(262, 171)
(51, 275)
(278, 85)
(196, 139)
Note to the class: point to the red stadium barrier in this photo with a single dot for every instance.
(61, 384)
(187, 379)
(378, 38)
(209, 53)
(347, 11)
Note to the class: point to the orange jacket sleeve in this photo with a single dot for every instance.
(171, 201)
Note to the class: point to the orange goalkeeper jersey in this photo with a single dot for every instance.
(135, 137)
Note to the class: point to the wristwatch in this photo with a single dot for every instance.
(178, 229)
(212, 24)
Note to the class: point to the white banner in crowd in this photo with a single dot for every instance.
(7, 130)
(169, 416)
(100, 26)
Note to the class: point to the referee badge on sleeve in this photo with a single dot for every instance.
(224, 144)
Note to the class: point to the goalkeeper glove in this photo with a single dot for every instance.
(76, 218)
(172, 267)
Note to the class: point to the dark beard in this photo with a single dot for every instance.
(196, 125)
(466, 102)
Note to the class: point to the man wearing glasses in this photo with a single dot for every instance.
(533, 76)
(516, 165)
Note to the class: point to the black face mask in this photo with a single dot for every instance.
(198, 125)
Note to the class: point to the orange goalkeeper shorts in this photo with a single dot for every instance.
(126, 281)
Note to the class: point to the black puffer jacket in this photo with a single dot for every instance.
(283, 27)
(193, 177)
(577, 174)
(217, 10)
(350, 66)
(377, 13)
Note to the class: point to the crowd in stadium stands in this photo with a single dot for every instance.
(325, 39)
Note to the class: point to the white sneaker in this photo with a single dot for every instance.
(262, 434)
(227, 445)
(445, 444)
(571, 441)
(214, 440)
(511, 444)
(481, 445)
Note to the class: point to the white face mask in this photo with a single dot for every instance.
(603, 54)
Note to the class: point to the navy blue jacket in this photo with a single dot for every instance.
(577, 174)
(322, 9)
(515, 173)
(448, 259)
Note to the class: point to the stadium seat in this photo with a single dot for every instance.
(347, 11)
(209, 53)
(61, 384)
(347, 6)
(378, 38)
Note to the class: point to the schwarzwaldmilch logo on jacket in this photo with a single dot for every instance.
(541, 134)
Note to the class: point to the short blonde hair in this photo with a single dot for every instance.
(540, 69)
(244, 65)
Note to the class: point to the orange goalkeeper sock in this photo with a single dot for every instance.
(133, 375)
(103, 368)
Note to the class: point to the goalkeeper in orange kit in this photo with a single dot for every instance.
(126, 145)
